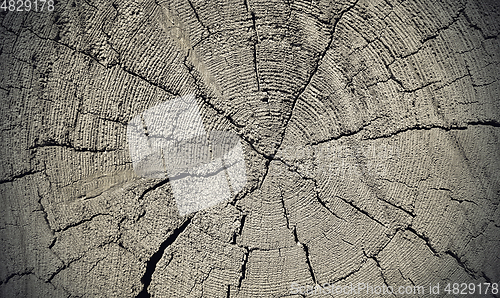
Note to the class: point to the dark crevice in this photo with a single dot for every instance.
(20, 274)
(416, 88)
(104, 119)
(243, 217)
(446, 27)
(460, 201)
(240, 195)
(380, 196)
(45, 214)
(143, 78)
(347, 242)
(447, 84)
(267, 164)
(11, 179)
(56, 40)
(205, 99)
(233, 239)
(285, 212)
(397, 207)
(476, 27)
(294, 231)
(313, 72)
(59, 269)
(120, 245)
(198, 17)
(306, 251)
(210, 174)
(349, 274)
(72, 225)
(361, 211)
(492, 123)
(374, 258)
(424, 238)
(156, 257)
(486, 278)
(244, 267)
(401, 85)
(323, 203)
(460, 262)
(52, 143)
(154, 187)
(104, 66)
(54, 240)
(346, 134)
(240, 230)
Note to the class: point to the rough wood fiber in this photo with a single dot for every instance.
(370, 129)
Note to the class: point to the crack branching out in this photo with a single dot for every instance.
(155, 258)
(377, 262)
(306, 251)
(460, 262)
(424, 238)
(318, 198)
(296, 238)
(390, 134)
(92, 58)
(317, 64)
(316, 187)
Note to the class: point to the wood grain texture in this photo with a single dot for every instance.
(370, 131)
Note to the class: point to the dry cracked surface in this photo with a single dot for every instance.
(370, 132)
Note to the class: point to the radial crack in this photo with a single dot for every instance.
(460, 262)
(156, 257)
(306, 252)
(424, 238)
(19, 176)
(374, 258)
(256, 66)
(244, 267)
(361, 211)
(314, 71)
(323, 203)
(198, 17)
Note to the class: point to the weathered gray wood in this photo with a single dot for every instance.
(370, 131)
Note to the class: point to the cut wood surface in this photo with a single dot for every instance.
(370, 132)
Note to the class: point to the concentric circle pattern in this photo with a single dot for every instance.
(367, 138)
